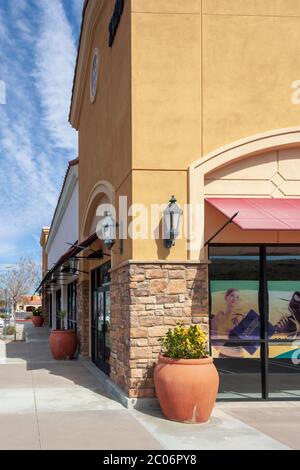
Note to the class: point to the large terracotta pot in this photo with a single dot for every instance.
(63, 344)
(37, 321)
(186, 388)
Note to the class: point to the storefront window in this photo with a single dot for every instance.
(255, 320)
(235, 321)
(283, 273)
(72, 306)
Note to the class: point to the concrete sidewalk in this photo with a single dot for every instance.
(47, 404)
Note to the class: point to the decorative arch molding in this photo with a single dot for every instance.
(102, 188)
(255, 145)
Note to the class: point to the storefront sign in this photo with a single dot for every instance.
(114, 23)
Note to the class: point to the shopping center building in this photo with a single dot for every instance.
(197, 99)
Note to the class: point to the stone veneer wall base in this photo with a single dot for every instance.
(83, 313)
(146, 300)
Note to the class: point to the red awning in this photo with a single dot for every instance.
(260, 213)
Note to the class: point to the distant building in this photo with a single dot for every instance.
(29, 303)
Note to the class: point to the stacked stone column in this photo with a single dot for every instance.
(45, 307)
(147, 300)
(83, 317)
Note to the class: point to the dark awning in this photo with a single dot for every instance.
(73, 251)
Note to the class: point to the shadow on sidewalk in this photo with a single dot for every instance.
(36, 356)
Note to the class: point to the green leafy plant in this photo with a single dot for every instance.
(185, 342)
(36, 312)
(10, 330)
(61, 315)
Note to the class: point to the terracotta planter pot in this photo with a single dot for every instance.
(63, 344)
(186, 388)
(37, 321)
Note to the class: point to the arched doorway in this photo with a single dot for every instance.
(94, 286)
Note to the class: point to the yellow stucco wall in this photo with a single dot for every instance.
(205, 74)
(183, 79)
(166, 92)
(156, 187)
(105, 125)
(249, 65)
(241, 62)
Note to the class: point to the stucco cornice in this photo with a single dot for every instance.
(92, 11)
(69, 186)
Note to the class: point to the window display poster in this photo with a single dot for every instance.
(234, 315)
(284, 314)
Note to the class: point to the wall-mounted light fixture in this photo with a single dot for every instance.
(108, 231)
(171, 219)
(74, 265)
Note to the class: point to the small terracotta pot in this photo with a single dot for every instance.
(186, 388)
(63, 344)
(37, 321)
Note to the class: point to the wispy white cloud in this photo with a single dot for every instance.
(35, 138)
(55, 60)
(2, 92)
(24, 28)
(18, 7)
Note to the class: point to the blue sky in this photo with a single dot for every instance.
(38, 44)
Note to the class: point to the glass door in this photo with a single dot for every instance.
(72, 306)
(283, 278)
(236, 321)
(101, 318)
(103, 351)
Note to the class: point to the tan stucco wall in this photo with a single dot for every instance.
(166, 92)
(223, 75)
(252, 7)
(105, 125)
(43, 241)
(182, 80)
(206, 74)
(249, 65)
(156, 187)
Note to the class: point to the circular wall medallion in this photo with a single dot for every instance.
(94, 75)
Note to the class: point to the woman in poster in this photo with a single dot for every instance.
(224, 321)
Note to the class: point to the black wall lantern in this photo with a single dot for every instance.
(74, 264)
(172, 218)
(107, 233)
(108, 230)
